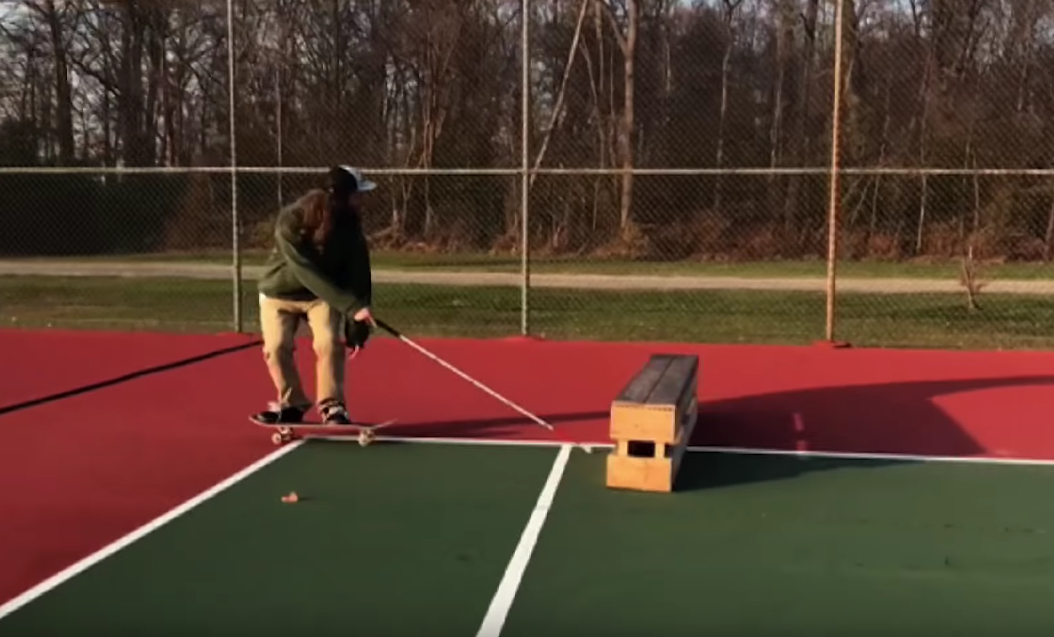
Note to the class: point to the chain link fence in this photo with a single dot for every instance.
(683, 196)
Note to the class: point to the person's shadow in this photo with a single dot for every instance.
(887, 418)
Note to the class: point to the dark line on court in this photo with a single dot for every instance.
(127, 377)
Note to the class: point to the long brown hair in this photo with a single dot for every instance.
(318, 220)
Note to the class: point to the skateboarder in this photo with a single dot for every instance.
(319, 271)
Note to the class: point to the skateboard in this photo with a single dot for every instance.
(286, 432)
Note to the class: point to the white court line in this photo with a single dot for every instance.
(510, 582)
(845, 455)
(893, 457)
(79, 567)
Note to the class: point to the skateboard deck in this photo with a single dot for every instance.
(286, 432)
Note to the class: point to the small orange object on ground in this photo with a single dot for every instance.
(291, 498)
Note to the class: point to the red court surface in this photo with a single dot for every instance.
(84, 470)
(41, 364)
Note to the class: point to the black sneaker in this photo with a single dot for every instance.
(335, 414)
(276, 415)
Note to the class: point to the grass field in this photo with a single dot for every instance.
(480, 262)
(732, 316)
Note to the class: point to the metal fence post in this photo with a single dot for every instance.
(833, 203)
(236, 265)
(525, 159)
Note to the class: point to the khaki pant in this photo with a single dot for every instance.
(279, 320)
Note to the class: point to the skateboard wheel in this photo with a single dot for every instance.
(277, 439)
(364, 438)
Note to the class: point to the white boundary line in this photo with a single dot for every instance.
(510, 582)
(84, 564)
(845, 455)
(894, 457)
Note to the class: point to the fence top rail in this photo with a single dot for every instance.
(687, 172)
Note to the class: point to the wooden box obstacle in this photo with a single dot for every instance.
(652, 420)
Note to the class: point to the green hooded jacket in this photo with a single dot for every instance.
(339, 274)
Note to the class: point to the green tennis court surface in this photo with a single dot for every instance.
(414, 539)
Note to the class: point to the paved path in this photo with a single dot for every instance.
(548, 280)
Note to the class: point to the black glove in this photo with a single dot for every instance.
(356, 333)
